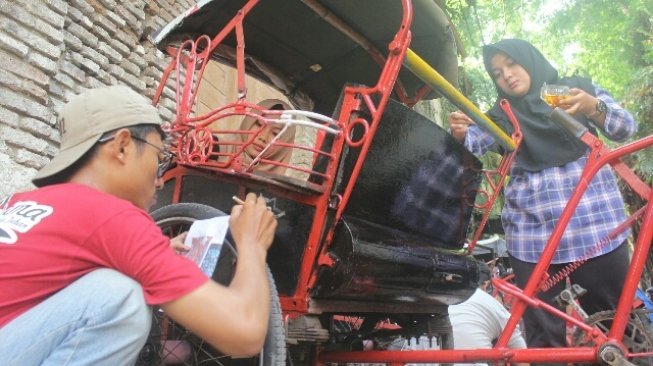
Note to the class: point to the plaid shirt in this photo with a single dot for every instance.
(534, 200)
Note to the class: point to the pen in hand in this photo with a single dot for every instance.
(241, 202)
(238, 200)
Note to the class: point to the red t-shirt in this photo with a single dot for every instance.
(54, 235)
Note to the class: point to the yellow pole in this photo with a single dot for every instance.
(425, 72)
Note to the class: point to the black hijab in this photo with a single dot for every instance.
(545, 144)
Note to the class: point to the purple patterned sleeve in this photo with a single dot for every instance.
(478, 141)
(619, 123)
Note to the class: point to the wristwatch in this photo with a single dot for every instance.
(601, 107)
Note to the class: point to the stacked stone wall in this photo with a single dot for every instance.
(51, 50)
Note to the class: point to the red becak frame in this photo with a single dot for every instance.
(193, 143)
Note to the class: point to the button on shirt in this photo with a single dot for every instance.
(534, 200)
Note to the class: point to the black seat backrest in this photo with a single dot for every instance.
(415, 178)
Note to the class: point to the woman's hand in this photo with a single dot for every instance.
(579, 102)
(177, 243)
(458, 124)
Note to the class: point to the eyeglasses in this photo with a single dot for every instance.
(164, 163)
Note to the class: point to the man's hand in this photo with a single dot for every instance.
(234, 319)
(177, 243)
(459, 123)
(253, 224)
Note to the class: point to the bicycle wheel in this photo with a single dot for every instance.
(170, 343)
(638, 336)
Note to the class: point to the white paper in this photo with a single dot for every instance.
(205, 239)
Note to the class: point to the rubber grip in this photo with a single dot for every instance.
(568, 122)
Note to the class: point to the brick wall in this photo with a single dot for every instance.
(51, 50)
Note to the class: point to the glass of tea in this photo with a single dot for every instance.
(553, 94)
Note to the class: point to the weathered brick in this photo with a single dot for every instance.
(84, 63)
(93, 55)
(130, 67)
(55, 137)
(43, 63)
(166, 114)
(10, 80)
(168, 92)
(36, 127)
(18, 180)
(152, 71)
(139, 50)
(129, 18)
(165, 15)
(137, 11)
(156, 24)
(14, 137)
(77, 17)
(21, 68)
(42, 11)
(16, 12)
(149, 92)
(82, 5)
(102, 34)
(57, 104)
(109, 4)
(64, 79)
(56, 89)
(109, 52)
(163, 3)
(58, 6)
(157, 59)
(85, 36)
(102, 22)
(92, 83)
(115, 19)
(36, 92)
(36, 41)
(8, 117)
(30, 159)
(168, 103)
(73, 71)
(150, 82)
(126, 38)
(105, 77)
(136, 83)
(138, 60)
(52, 150)
(12, 45)
(72, 41)
(116, 71)
(21, 104)
(120, 47)
(151, 7)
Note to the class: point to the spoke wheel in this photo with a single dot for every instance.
(170, 343)
(638, 336)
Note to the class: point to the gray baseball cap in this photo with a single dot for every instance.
(87, 116)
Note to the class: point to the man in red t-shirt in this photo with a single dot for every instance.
(81, 260)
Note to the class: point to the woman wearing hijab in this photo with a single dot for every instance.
(546, 171)
(267, 132)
